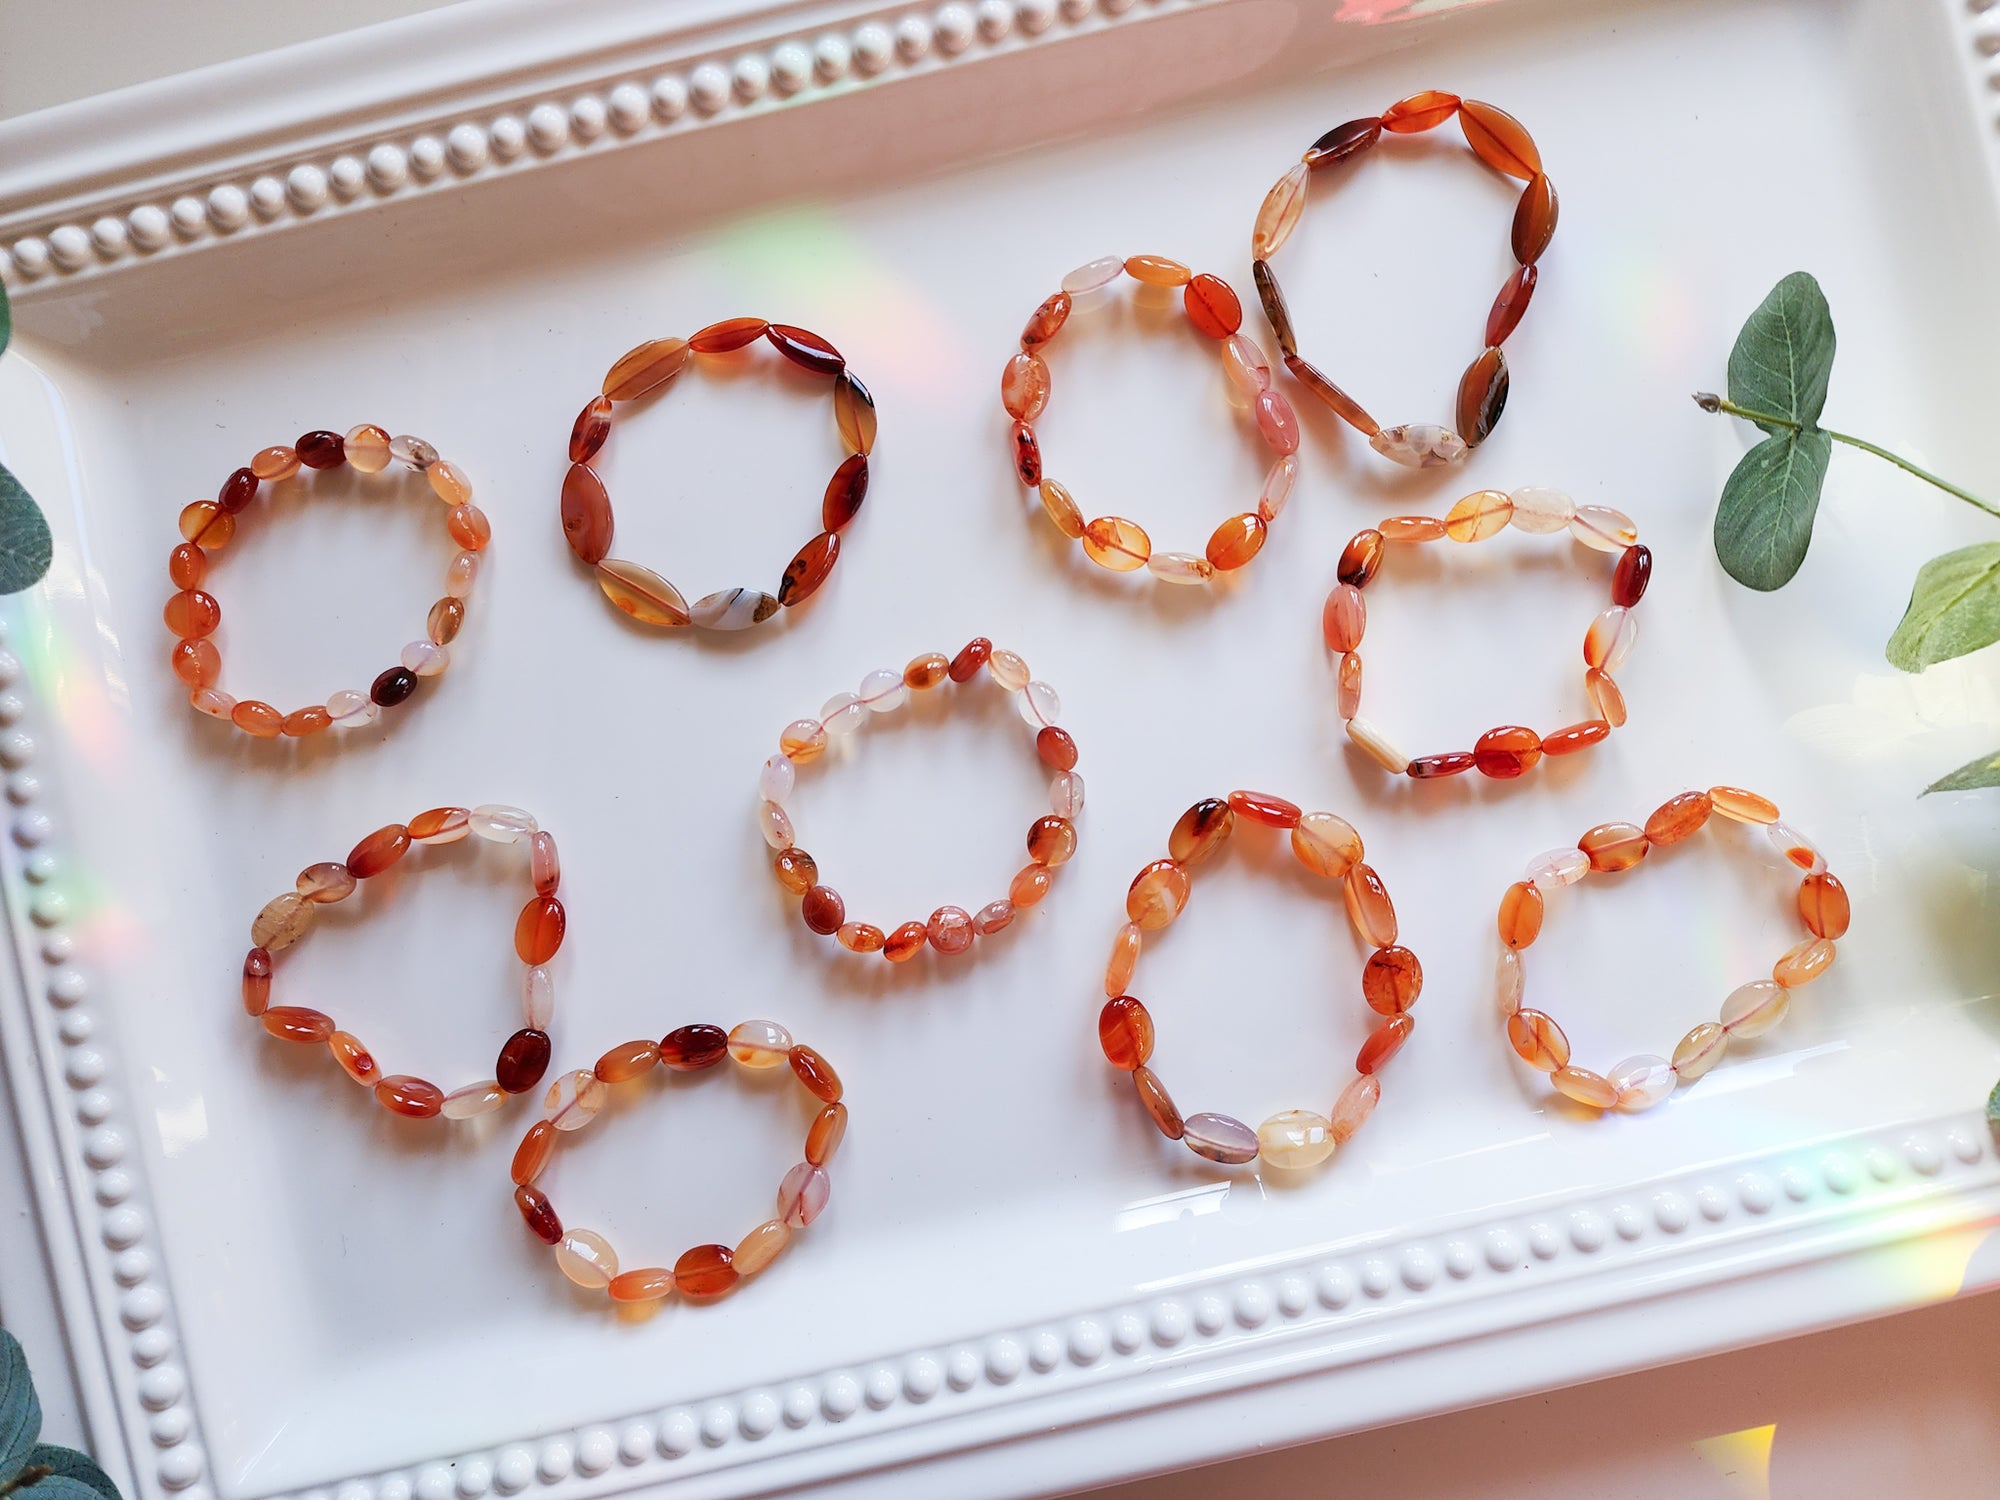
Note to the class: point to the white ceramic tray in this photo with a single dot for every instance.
(450, 225)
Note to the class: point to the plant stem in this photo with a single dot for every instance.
(1720, 404)
(33, 1474)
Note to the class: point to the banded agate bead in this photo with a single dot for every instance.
(1295, 1139)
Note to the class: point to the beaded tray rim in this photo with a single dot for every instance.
(79, 182)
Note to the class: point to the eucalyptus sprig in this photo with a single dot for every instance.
(32, 1470)
(25, 546)
(1778, 376)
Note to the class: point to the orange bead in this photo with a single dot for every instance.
(1361, 559)
(1343, 619)
(808, 569)
(272, 464)
(207, 524)
(1383, 1043)
(538, 931)
(191, 614)
(1262, 807)
(647, 1284)
(1605, 697)
(186, 565)
(1369, 907)
(861, 937)
(1051, 840)
(627, 1060)
(539, 1213)
(1537, 1039)
(926, 671)
(824, 1135)
(1157, 895)
(256, 981)
(1424, 111)
(1823, 906)
(440, 825)
(1159, 1104)
(1125, 1032)
(1585, 1087)
(1499, 140)
(1412, 529)
(1157, 270)
(906, 942)
(1116, 543)
(1507, 752)
(301, 722)
(401, 1094)
(1744, 807)
(1482, 396)
(646, 368)
(1677, 817)
(295, 1023)
(1201, 830)
(467, 523)
(1614, 846)
(797, 871)
(1124, 959)
(254, 716)
(728, 335)
(816, 1073)
(533, 1154)
(1574, 737)
(1535, 220)
(1236, 541)
(1481, 514)
(1056, 747)
(1046, 321)
(844, 493)
(1801, 964)
(1520, 914)
(1391, 980)
(1212, 307)
(378, 851)
(1024, 387)
(355, 1060)
(705, 1271)
(805, 349)
(1029, 885)
(197, 663)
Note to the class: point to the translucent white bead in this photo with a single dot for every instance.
(538, 997)
(352, 708)
(759, 1044)
(412, 452)
(1294, 1139)
(776, 825)
(1008, 669)
(883, 690)
(1419, 445)
(1066, 795)
(1039, 704)
(1602, 528)
(473, 1099)
(1091, 275)
(1377, 746)
(1559, 867)
(586, 1257)
(501, 823)
(1753, 1009)
(425, 658)
(1788, 849)
(776, 780)
(1509, 980)
(1610, 639)
(1277, 487)
(574, 1099)
(1642, 1082)
(1541, 510)
(842, 714)
(1180, 567)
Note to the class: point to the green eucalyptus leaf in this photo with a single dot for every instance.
(6, 318)
(1764, 523)
(20, 1410)
(1954, 608)
(1784, 355)
(1993, 1107)
(82, 1479)
(25, 545)
(1974, 774)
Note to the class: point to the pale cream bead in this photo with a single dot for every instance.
(1294, 1139)
(1541, 510)
(883, 690)
(1066, 795)
(1419, 445)
(574, 1099)
(1244, 363)
(1700, 1050)
(412, 452)
(1180, 567)
(1753, 1009)
(503, 824)
(1377, 745)
(1277, 487)
(1550, 872)
(367, 448)
(1356, 1103)
(842, 714)
(426, 658)
(350, 708)
(1039, 705)
(776, 825)
(460, 574)
(1788, 849)
(473, 1099)
(776, 780)
(1008, 669)
(1093, 274)
(760, 1044)
(1509, 981)
(1642, 1082)
(586, 1257)
(538, 997)
(760, 1246)
(1602, 528)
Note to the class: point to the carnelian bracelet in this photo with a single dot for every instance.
(1328, 846)
(949, 929)
(207, 525)
(1112, 541)
(707, 1271)
(1751, 1010)
(538, 933)
(586, 506)
(1503, 143)
(1511, 750)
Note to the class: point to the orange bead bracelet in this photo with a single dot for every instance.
(1641, 1082)
(1112, 541)
(538, 933)
(707, 1271)
(1510, 750)
(949, 929)
(638, 591)
(1328, 846)
(1502, 143)
(207, 525)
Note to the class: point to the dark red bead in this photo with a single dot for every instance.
(523, 1060)
(237, 491)
(1424, 767)
(539, 1213)
(321, 450)
(688, 1049)
(1635, 571)
(393, 686)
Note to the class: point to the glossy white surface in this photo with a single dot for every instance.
(321, 1262)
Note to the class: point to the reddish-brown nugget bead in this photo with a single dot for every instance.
(256, 981)
(1338, 401)
(1056, 747)
(297, 1023)
(1574, 737)
(402, 1094)
(854, 414)
(823, 1136)
(523, 1059)
(816, 1073)
(378, 851)
(823, 910)
(539, 1213)
(1507, 752)
(1482, 396)
(1510, 305)
(798, 871)
(320, 450)
(1499, 140)
(845, 492)
(1823, 907)
(393, 686)
(1677, 817)
(586, 514)
(237, 491)
(537, 1146)
(689, 1049)
(538, 931)
(1361, 558)
(191, 614)
(1343, 141)
(1391, 980)
(1211, 306)
(591, 428)
(807, 350)
(1634, 572)
(808, 569)
(1125, 1032)
(1027, 455)
(1046, 321)
(627, 1060)
(1262, 807)
(1200, 831)
(1051, 840)
(1535, 220)
(906, 942)
(705, 1271)
(1614, 846)
(1424, 111)
(646, 368)
(1273, 297)
(1383, 1043)
(1450, 763)
(729, 334)
(1159, 1103)
(971, 657)
(1521, 910)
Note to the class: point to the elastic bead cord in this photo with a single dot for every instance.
(707, 1271)
(1500, 141)
(1113, 542)
(1511, 749)
(949, 929)
(538, 934)
(1645, 1080)
(639, 592)
(1391, 980)
(207, 526)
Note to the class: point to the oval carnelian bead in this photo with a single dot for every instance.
(1046, 321)
(1343, 141)
(1342, 405)
(705, 1271)
(319, 450)
(254, 716)
(844, 493)
(1509, 307)
(355, 1060)
(627, 1060)
(524, 1058)
(1235, 542)
(196, 663)
(809, 569)
(854, 414)
(186, 564)
(816, 1073)
(591, 427)
(402, 1094)
(1823, 907)
(1125, 1032)
(1537, 1040)
(971, 657)
(191, 614)
(539, 1214)
(1361, 559)
(1634, 572)
(1482, 396)
(237, 491)
(1383, 1043)
(1159, 1104)
(1343, 619)
(1450, 763)
(1201, 830)
(256, 981)
(1116, 543)
(1743, 806)
(729, 334)
(1024, 387)
(806, 350)
(297, 1023)
(1272, 296)
(538, 931)
(1611, 847)
(207, 524)
(1507, 752)
(823, 1136)
(1499, 140)
(537, 1146)
(378, 851)
(689, 1049)
(1056, 747)
(647, 1284)
(646, 368)
(823, 909)
(301, 722)
(797, 871)
(1262, 807)
(1157, 895)
(1521, 914)
(1051, 839)
(1391, 980)
(906, 942)
(1535, 220)
(1369, 907)
(1212, 306)
(1574, 737)
(1027, 455)
(1677, 817)
(586, 514)
(1424, 111)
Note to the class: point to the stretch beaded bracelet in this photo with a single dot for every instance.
(707, 1271)
(538, 933)
(1503, 143)
(1641, 1082)
(1328, 846)
(949, 929)
(643, 594)
(207, 525)
(1112, 541)
(1510, 750)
